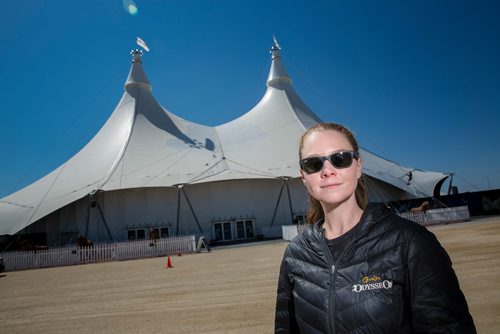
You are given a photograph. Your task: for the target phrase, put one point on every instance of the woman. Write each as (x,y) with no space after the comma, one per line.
(360,268)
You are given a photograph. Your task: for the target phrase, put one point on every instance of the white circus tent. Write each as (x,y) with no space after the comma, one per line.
(148,168)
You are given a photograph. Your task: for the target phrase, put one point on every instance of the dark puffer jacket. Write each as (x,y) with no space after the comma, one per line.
(394,277)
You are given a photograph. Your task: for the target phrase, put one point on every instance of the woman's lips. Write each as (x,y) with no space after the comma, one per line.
(330,185)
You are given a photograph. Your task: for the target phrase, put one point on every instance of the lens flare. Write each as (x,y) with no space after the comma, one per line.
(130,7)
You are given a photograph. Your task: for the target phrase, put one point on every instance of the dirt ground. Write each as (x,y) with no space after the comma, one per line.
(230,290)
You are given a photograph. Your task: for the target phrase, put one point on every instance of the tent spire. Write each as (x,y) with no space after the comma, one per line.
(136,56)
(278,77)
(137,76)
(275,49)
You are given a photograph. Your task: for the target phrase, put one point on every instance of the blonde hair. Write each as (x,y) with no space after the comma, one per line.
(315,211)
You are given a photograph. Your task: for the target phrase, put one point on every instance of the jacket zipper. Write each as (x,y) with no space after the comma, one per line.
(332,300)
(331,291)
(333,273)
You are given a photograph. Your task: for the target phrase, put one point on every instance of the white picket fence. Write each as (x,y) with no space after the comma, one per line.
(55,257)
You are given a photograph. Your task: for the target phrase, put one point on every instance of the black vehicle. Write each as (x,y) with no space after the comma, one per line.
(2,265)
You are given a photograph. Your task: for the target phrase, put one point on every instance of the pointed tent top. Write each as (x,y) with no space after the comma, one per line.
(136,56)
(137,76)
(278,77)
(275,49)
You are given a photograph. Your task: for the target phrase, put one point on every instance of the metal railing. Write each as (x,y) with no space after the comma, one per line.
(439,216)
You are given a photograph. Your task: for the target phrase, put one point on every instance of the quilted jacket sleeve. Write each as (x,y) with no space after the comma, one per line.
(285,314)
(436,301)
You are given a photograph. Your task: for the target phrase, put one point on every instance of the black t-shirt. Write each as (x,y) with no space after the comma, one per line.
(337,244)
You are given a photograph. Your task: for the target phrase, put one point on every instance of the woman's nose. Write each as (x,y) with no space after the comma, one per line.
(328,168)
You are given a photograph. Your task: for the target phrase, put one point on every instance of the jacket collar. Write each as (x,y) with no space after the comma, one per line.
(373,213)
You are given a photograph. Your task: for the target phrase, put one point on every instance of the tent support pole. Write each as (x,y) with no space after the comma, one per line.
(192,211)
(278,202)
(179,187)
(104,220)
(91,199)
(450,185)
(289,199)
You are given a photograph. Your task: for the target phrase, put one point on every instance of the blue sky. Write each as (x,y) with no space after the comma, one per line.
(417,81)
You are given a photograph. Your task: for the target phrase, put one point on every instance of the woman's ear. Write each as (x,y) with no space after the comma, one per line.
(359,170)
(302,176)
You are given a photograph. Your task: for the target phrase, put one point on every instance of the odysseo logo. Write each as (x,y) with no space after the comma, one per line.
(372,283)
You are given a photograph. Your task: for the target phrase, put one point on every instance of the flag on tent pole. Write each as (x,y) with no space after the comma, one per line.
(276,42)
(142,44)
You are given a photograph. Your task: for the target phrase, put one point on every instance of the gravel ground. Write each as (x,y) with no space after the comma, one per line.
(229,290)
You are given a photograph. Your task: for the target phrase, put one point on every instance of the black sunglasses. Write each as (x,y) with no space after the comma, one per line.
(338,160)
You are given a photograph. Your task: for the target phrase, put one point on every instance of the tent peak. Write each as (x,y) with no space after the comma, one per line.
(136,56)
(275,49)
(137,76)
(278,77)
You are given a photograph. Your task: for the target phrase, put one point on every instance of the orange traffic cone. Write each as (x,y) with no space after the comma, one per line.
(168,264)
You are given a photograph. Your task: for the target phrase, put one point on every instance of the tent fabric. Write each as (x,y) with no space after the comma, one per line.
(144,145)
